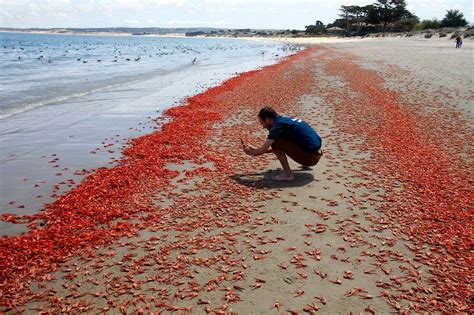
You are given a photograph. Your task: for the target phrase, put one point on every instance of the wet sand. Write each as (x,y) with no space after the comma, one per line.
(223,236)
(55,143)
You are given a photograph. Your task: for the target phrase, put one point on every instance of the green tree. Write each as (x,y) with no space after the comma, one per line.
(382,13)
(318,28)
(405,24)
(428,24)
(372,14)
(345,16)
(338,22)
(389,11)
(454,18)
(352,15)
(361,16)
(399,11)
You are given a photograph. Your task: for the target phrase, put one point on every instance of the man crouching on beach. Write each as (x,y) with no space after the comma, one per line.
(287,136)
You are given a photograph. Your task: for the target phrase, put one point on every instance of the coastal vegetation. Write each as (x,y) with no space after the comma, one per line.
(453,18)
(381,16)
(384,16)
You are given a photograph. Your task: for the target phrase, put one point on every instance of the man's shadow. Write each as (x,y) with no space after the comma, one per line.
(264,179)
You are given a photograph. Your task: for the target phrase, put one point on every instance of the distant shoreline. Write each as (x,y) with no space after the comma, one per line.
(288,40)
(93,33)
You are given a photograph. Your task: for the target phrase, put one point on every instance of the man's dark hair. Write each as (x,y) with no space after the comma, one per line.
(267,112)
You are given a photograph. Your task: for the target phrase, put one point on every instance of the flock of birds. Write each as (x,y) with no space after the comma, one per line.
(124,52)
(130,52)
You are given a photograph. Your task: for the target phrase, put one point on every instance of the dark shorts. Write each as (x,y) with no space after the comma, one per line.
(296,153)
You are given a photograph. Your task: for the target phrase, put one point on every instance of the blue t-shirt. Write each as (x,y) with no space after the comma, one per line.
(296,130)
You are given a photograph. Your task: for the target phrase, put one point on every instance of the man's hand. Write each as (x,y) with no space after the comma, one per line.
(247,149)
(265,148)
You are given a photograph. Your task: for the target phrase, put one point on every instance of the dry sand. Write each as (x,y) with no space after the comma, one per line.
(311,40)
(309,226)
(433,64)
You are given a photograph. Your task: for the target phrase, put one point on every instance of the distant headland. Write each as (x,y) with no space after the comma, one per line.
(152,31)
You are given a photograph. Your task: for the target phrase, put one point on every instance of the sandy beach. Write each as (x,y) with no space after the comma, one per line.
(187,223)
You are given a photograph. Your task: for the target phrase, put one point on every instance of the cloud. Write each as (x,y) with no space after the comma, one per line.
(231,13)
(438,8)
(140,5)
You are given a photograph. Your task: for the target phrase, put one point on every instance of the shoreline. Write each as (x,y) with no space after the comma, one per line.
(171,35)
(90,131)
(206,230)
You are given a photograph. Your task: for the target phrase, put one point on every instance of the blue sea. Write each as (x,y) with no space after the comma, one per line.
(64,99)
(44,69)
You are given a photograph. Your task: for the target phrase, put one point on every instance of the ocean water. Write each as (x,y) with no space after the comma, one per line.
(44,69)
(59,114)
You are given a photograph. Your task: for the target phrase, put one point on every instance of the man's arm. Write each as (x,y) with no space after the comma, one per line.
(264,148)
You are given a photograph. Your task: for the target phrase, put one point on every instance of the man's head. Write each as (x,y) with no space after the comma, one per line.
(266,116)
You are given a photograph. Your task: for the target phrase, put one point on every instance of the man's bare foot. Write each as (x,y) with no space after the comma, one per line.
(284,177)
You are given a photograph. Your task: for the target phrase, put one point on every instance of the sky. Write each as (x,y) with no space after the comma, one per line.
(263,14)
